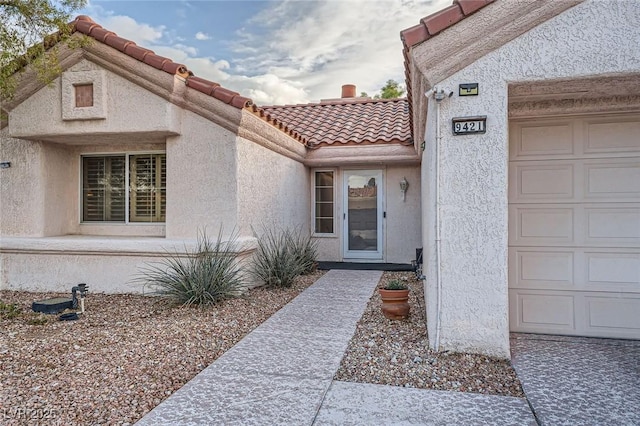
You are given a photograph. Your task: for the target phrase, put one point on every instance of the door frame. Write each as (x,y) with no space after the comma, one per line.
(347,254)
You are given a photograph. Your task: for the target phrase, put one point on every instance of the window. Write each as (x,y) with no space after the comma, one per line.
(84,95)
(104,179)
(324,202)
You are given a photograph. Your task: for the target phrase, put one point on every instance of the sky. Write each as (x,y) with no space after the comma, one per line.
(275,52)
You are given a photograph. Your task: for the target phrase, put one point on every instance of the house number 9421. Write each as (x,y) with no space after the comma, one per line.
(469,125)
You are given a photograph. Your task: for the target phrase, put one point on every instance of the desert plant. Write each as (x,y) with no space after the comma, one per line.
(203,276)
(9,311)
(37,319)
(282,255)
(305,248)
(396,285)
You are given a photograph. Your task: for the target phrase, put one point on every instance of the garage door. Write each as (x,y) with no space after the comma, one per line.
(574,226)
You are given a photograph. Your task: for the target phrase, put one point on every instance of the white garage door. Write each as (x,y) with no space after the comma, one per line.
(574,226)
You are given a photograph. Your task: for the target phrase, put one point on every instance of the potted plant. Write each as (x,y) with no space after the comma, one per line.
(395,300)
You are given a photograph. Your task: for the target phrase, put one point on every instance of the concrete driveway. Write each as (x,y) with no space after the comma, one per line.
(579,381)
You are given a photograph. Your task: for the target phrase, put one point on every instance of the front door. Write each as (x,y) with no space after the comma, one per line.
(363,195)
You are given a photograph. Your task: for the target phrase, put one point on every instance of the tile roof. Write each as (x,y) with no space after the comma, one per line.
(431,26)
(87,26)
(358,121)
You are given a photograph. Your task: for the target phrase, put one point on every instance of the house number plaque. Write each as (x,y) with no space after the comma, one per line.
(469,125)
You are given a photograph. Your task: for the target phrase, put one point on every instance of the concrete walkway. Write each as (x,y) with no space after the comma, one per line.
(282,373)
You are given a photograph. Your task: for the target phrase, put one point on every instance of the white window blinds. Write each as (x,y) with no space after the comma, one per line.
(104,183)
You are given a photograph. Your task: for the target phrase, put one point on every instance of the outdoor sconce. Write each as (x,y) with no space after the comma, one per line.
(5,164)
(403,187)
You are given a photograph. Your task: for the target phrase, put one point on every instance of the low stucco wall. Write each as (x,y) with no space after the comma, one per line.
(108,265)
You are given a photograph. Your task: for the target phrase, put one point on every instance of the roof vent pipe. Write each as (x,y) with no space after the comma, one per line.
(348,90)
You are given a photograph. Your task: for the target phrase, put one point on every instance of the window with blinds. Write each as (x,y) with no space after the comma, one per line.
(104,188)
(148,180)
(324,202)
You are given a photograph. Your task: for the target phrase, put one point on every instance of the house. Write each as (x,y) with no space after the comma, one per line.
(530,170)
(127,155)
(514,162)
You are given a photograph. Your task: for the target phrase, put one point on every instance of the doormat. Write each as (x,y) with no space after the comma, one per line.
(358,266)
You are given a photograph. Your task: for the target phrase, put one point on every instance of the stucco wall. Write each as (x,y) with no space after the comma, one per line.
(201,179)
(61,189)
(273,190)
(593,38)
(403,222)
(21,189)
(37,192)
(128,109)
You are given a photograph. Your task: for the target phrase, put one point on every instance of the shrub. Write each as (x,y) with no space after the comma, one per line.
(9,311)
(282,255)
(203,276)
(395,285)
(305,248)
(38,319)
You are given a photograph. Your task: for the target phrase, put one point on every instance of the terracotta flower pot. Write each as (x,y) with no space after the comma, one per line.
(395,303)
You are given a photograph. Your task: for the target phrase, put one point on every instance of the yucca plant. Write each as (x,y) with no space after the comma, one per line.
(305,248)
(203,276)
(281,256)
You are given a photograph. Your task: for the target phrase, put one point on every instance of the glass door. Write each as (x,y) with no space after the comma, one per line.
(363,214)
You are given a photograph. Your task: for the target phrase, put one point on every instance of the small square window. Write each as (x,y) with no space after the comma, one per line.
(84,95)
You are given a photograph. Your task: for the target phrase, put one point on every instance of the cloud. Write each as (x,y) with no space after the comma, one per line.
(327,44)
(128,28)
(322,46)
(202,36)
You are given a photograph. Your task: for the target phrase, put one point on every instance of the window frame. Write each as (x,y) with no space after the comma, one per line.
(127,155)
(313,202)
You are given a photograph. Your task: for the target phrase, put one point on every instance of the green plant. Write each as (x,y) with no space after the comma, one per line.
(282,255)
(37,319)
(203,276)
(305,248)
(9,311)
(396,285)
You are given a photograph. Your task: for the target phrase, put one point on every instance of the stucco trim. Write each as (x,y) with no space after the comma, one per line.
(334,156)
(253,129)
(110,246)
(554,108)
(485,31)
(99,83)
(28,82)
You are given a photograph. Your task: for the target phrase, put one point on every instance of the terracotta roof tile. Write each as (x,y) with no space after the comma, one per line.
(441,20)
(87,26)
(470,6)
(343,122)
(430,26)
(137,52)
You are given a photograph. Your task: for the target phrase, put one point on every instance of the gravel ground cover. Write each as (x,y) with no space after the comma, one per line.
(128,353)
(124,356)
(397,353)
